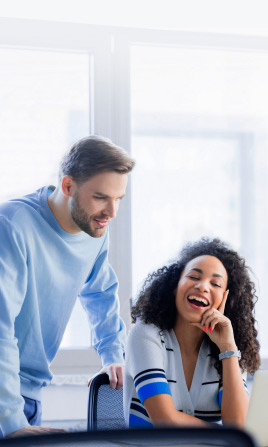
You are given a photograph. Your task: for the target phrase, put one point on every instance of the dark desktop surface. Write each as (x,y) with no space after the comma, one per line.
(159,437)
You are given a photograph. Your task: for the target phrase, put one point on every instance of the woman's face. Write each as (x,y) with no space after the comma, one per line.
(201,287)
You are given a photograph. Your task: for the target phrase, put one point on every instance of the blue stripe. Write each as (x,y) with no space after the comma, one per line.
(139,408)
(219,398)
(152,389)
(149,376)
(147,371)
(245,385)
(135,421)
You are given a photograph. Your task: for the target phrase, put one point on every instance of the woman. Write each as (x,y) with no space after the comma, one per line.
(193,342)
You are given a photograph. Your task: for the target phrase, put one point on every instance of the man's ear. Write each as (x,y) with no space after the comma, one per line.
(68,185)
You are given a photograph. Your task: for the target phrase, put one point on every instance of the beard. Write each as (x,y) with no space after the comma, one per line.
(82,220)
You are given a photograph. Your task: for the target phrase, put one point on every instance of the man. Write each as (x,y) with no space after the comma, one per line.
(54,247)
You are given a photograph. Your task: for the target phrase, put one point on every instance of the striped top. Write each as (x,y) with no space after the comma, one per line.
(154,366)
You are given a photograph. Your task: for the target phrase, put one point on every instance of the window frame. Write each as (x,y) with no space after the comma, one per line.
(110,111)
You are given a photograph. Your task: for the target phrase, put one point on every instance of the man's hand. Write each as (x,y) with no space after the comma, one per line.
(115,372)
(34,430)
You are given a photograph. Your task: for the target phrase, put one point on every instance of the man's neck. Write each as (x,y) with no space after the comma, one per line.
(59,206)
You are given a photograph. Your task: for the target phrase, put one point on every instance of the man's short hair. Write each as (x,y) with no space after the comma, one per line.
(93,155)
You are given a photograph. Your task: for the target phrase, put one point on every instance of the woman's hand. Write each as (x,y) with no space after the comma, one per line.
(218,327)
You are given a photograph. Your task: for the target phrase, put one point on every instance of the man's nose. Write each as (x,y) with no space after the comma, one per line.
(112,209)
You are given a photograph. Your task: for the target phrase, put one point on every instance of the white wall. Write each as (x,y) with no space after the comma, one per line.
(239,17)
(65,406)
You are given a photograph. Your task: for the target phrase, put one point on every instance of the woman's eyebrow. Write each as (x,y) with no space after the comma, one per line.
(197,270)
(216,275)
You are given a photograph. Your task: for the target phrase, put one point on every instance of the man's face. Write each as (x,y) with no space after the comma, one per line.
(96,201)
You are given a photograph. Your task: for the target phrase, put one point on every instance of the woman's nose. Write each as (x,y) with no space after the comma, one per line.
(202,286)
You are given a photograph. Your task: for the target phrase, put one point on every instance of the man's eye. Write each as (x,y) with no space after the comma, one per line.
(99,198)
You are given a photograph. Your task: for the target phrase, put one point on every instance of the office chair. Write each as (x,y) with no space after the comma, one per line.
(150,437)
(105,405)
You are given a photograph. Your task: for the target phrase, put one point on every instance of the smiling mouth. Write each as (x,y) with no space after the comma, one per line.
(101,223)
(198,301)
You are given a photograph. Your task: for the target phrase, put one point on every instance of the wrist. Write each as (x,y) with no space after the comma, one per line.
(229,354)
(228,347)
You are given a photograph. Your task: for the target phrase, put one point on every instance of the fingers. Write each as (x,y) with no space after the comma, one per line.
(115,373)
(207,322)
(211,318)
(211,324)
(112,377)
(120,376)
(211,314)
(94,375)
(222,305)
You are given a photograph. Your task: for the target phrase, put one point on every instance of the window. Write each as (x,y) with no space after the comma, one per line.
(193,113)
(183,205)
(199,123)
(44,99)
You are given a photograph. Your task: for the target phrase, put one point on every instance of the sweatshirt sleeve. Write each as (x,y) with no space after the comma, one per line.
(13,282)
(99,298)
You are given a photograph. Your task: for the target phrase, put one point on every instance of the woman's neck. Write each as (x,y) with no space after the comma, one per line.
(189,337)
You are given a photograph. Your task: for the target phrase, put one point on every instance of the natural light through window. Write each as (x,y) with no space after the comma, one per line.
(44,108)
(199,127)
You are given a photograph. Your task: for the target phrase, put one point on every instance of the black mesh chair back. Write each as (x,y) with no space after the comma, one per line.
(105,405)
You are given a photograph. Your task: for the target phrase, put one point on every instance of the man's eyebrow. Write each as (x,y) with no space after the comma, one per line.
(216,275)
(97,193)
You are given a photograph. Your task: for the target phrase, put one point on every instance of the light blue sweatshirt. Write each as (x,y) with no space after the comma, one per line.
(42,271)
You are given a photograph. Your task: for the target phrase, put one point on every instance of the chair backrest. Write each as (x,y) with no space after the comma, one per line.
(105,405)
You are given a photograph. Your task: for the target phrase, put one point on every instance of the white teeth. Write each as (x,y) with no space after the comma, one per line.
(197,298)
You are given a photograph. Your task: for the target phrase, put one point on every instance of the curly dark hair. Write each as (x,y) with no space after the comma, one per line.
(156,301)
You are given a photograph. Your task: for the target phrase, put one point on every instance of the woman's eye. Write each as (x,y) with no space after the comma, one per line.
(193,277)
(216,285)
